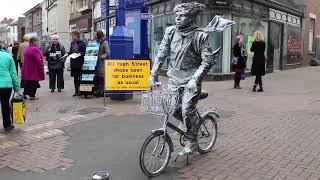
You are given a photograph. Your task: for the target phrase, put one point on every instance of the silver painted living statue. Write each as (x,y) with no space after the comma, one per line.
(191,58)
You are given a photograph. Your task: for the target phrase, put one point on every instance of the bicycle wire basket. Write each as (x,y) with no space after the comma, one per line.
(160,102)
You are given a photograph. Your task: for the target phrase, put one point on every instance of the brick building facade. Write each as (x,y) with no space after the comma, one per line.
(312,29)
(33,21)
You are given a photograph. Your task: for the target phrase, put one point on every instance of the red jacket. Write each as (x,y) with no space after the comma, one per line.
(33,67)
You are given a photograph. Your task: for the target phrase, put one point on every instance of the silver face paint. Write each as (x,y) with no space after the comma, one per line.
(183,20)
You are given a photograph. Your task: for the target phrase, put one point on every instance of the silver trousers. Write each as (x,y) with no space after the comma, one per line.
(185,110)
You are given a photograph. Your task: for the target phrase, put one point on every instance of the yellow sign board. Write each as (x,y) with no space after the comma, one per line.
(125,75)
(249,44)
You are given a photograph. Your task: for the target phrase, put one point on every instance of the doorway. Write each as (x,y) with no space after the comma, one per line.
(275,46)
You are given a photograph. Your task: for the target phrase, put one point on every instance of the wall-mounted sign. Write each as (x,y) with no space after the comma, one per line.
(145,16)
(127,75)
(220,3)
(283,17)
(83,25)
(134,3)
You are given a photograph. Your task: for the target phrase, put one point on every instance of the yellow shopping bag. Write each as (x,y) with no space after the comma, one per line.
(18,109)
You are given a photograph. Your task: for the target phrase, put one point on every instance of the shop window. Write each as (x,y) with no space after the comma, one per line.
(160,23)
(82,3)
(247,27)
(294,45)
(312,27)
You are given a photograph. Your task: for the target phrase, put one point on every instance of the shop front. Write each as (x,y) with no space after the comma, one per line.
(249,17)
(285,40)
(83,24)
(163,17)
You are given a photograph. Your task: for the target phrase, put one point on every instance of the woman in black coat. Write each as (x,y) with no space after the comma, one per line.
(239,52)
(77,46)
(258,63)
(54,57)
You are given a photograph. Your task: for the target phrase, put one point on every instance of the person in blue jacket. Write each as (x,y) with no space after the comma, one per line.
(8,81)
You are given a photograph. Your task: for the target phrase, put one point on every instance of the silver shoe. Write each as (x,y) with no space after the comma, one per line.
(190,148)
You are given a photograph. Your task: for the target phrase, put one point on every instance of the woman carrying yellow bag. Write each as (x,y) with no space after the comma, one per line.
(8,81)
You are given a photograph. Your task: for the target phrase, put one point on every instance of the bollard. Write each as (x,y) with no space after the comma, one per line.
(100,175)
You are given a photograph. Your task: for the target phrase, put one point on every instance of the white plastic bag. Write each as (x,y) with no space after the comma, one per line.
(67,63)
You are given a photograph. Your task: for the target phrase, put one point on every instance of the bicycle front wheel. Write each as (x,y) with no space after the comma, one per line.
(207,134)
(155,154)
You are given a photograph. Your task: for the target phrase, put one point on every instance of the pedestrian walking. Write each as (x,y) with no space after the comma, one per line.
(79,47)
(240,60)
(104,53)
(8,81)
(33,68)
(15,50)
(258,63)
(54,54)
(22,47)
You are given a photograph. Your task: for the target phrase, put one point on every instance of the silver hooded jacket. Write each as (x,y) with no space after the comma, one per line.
(190,53)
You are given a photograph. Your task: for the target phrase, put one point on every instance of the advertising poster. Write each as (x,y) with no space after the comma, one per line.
(294,45)
(249,44)
(133,75)
(133,23)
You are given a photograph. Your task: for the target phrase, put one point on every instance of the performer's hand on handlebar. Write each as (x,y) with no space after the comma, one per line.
(154,81)
(192,85)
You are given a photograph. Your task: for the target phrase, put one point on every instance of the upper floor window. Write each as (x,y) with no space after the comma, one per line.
(311,45)
(82,3)
(72,6)
(29,21)
(37,18)
(49,3)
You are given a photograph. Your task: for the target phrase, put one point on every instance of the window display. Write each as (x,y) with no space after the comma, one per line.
(247,27)
(160,23)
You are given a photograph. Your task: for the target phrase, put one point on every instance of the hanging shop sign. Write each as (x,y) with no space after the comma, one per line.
(133,75)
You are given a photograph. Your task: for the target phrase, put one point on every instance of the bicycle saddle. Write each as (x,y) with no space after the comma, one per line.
(203,95)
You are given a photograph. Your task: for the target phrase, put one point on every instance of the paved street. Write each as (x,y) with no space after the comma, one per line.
(269,135)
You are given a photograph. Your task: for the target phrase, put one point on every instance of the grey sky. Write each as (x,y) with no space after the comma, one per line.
(16,8)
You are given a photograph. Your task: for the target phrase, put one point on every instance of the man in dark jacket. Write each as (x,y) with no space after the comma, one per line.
(54,54)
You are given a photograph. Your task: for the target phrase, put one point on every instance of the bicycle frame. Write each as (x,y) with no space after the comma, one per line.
(166,124)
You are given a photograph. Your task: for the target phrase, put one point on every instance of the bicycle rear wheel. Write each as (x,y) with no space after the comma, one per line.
(207,134)
(155,154)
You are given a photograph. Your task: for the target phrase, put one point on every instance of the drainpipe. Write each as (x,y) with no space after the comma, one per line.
(92,23)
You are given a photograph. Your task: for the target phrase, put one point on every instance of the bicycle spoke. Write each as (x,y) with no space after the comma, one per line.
(149,155)
(153,163)
(206,142)
(155,148)
(149,162)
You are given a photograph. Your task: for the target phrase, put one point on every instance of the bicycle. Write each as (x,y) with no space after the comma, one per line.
(163,102)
